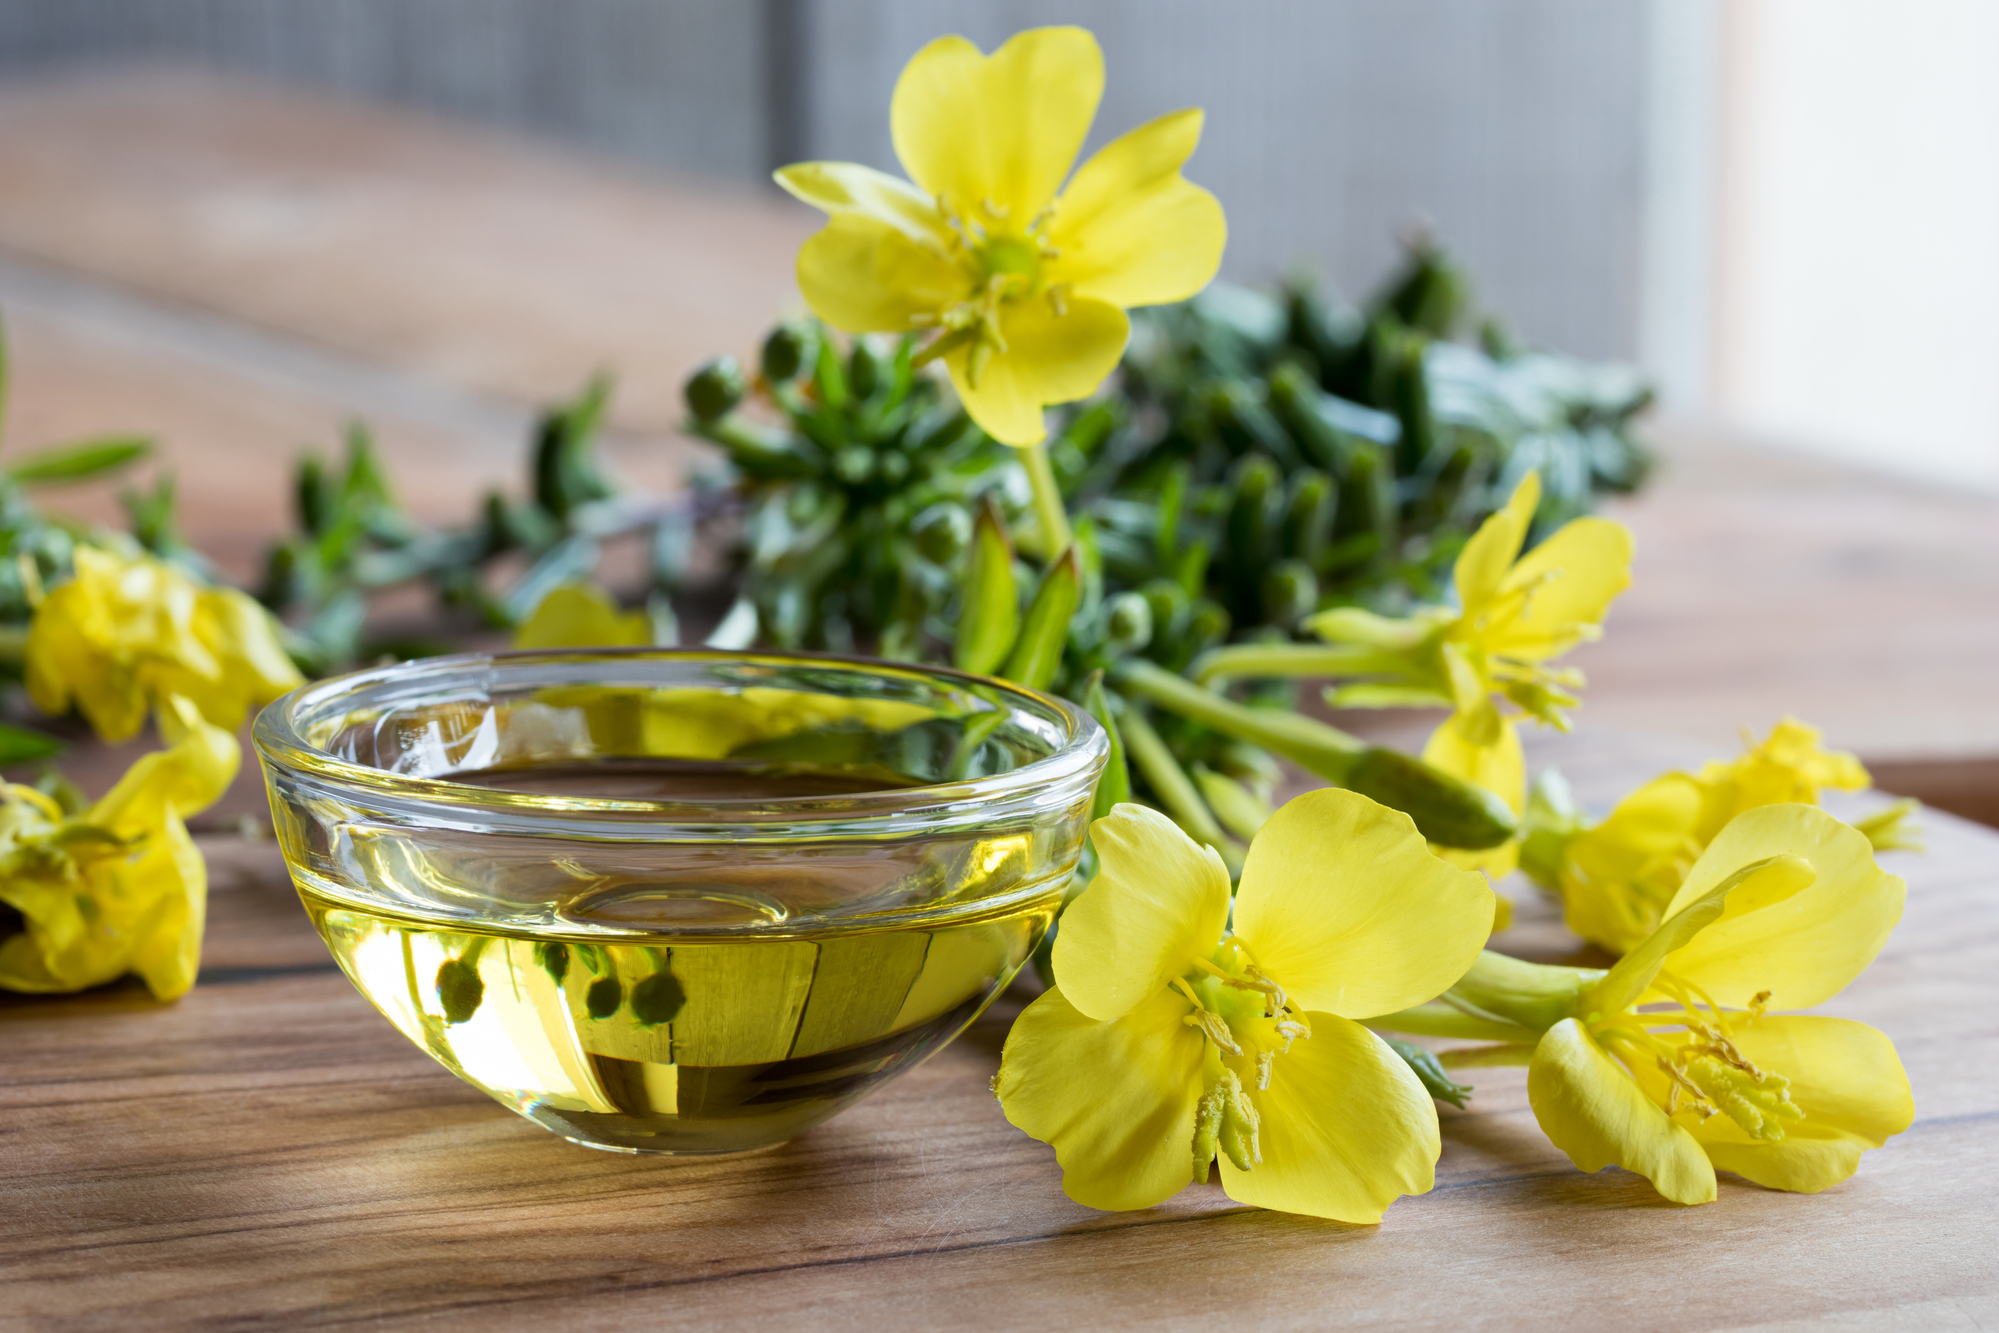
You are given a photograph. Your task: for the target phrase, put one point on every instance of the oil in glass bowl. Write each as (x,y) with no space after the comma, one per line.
(659,918)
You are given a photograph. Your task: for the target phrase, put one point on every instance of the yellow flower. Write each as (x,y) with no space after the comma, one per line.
(1168,1042)
(1617,878)
(582,615)
(1026,287)
(119,888)
(1782,911)
(129,631)
(1516,614)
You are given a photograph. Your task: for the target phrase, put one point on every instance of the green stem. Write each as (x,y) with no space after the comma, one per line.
(1049,511)
(1175,790)
(1486,1057)
(1324,750)
(13,644)
(1437,1019)
(1292,659)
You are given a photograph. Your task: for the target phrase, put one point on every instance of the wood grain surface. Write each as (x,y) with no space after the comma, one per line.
(268,1153)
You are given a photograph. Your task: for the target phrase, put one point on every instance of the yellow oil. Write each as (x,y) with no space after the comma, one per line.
(679,1044)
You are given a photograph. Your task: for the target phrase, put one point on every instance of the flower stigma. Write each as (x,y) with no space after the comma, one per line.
(1707,1075)
(1248,1023)
(1001,265)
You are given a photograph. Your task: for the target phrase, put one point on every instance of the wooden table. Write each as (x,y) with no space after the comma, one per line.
(269,1153)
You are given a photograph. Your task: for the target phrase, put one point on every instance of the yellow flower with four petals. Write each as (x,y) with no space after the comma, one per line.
(129,631)
(121,887)
(1171,1042)
(1516,614)
(1024,279)
(1671,1065)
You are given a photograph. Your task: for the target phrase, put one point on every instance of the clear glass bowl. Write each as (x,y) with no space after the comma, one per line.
(678,901)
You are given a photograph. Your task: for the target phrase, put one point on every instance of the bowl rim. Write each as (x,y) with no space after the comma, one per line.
(280,744)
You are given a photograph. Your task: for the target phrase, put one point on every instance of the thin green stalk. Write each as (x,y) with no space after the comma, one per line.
(1324,750)
(1487,1057)
(1292,659)
(1437,1019)
(1175,790)
(1049,512)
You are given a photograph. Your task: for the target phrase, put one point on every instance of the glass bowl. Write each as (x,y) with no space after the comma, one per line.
(678,901)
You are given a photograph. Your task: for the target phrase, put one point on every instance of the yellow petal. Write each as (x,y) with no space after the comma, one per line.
(1115,1100)
(1347,1129)
(185,778)
(1159,901)
(1590,1107)
(1618,877)
(1482,565)
(1574,576)
(848,187)
(1049,358)
(1850,1084)
(1342,904)
(1499,767)
(582,615)
(171,872)
(1129,229)
(1805,946)
(861,275)
(1000,129)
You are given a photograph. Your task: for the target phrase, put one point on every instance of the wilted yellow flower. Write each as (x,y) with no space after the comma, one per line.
(130,630)
(1783,910)
(1517,613)
(1027,287)
(1617,878)
(119,888)
(582,615)
(1170,1043)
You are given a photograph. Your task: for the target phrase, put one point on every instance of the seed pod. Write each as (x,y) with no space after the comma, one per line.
(1448,810)
(1365,518)
(786,352)
(1045,630)
(1308,517)
(1245,426)
(1401,386)
(1252,520)
(1127,622)
(715,388)
(941,532)
(1290,593)
(989,619)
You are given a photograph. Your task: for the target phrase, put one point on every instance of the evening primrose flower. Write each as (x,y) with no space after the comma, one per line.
(121,887)
(1169,1043)
(1617,877)
(1517,613)
(1025,281)
(582,615)
(1784,908)
(131,630)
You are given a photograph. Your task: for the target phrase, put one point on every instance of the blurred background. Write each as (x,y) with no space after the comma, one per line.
(235,223)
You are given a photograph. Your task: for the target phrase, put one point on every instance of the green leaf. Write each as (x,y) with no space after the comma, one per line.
(1038,651)
(20,744)
(1423,1063)
(79,461)
(1114,787)
(990,619)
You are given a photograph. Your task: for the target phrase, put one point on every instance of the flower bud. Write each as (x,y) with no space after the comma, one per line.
(714,389)
(1290,593)
(786,352)
(1128,622)
(942,531)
